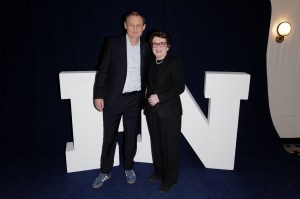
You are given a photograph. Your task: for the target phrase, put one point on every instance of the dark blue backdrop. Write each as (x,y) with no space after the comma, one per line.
(39,39)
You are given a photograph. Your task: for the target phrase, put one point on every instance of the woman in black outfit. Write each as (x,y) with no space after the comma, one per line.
(163,110)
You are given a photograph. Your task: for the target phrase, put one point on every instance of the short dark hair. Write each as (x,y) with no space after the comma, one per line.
(136,14)
(161,34)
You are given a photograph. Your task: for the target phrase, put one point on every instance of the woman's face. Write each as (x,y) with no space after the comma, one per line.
(159,47)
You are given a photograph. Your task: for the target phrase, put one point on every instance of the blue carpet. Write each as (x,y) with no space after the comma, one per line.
(37,176)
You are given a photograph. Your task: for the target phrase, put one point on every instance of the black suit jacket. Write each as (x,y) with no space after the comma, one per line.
(111,76)
(168,83)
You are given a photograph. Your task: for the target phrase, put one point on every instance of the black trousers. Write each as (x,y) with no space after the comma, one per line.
(165,135)
(128,107)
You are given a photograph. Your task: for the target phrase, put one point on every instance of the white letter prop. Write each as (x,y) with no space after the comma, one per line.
(214,139)
(85,151)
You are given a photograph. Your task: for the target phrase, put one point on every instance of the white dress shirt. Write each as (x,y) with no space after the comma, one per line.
(133,77)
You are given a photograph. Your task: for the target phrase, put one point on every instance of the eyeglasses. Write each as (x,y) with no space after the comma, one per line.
(160,44)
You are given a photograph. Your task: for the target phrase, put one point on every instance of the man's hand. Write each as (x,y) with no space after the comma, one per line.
(99,104)
(153,99)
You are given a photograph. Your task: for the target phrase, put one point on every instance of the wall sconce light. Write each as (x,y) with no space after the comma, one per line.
(283,29)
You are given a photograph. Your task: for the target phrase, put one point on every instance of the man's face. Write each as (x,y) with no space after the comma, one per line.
(134,26)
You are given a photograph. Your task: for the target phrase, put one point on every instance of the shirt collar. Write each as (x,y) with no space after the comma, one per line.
(128,43)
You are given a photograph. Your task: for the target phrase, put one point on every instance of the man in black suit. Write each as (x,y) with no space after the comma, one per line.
(118,92)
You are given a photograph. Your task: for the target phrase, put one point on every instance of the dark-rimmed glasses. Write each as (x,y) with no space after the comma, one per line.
(160,44)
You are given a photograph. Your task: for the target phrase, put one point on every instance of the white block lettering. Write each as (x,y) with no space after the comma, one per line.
(213,138)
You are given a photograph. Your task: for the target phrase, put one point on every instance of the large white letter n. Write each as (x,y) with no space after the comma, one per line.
(214,138)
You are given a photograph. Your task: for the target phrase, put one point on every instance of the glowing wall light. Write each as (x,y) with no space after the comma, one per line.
(283,29)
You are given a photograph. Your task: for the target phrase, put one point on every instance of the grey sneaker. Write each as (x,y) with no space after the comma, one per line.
(130,176)
(100,180)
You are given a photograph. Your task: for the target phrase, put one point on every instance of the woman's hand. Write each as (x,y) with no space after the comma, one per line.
(153,99)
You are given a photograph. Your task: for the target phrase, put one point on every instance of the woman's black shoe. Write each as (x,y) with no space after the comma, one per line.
(165,187)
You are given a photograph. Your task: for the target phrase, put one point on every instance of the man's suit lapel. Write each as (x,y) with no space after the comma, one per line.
(120,63)
(143,52)
(123,53)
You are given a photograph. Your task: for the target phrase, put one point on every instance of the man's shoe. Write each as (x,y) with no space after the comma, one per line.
(100,180)
(130,176)
(155,177)
(165,187)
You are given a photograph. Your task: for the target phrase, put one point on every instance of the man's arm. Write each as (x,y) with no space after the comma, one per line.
(102,72)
